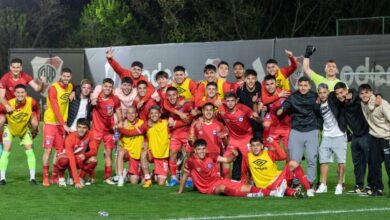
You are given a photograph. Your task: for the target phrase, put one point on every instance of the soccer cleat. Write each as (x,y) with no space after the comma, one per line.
(189,184)
(322,188)
(310,192)
(295,184)
(109,182)
(61,182)
(33,182)
(46,181)
(121,181)
(90,181)
(147,184)
(3,182)
(70,181)
(300,195)
(339,189)
(173,182)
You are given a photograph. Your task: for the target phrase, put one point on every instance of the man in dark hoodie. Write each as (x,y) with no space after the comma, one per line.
(249,94)
(80,107)
(351,113)
(301,105)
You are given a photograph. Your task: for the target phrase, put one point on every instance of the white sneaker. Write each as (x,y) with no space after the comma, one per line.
(124,175)
(61,182)
(310,192)
(109,182)
(255,195)
(121,181)
(70,181)
(339,189)
(322,188)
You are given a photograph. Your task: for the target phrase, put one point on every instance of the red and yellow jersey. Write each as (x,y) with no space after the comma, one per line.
(57,100)
(282,81)
(263,169)
(186,89)
(158,139)
(133,144)
(18,119)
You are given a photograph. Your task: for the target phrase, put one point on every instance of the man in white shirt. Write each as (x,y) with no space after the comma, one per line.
(334,141)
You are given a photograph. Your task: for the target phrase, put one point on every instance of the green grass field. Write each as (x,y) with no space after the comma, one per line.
(19,200)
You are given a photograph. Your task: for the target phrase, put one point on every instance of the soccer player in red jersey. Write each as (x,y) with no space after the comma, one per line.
(237,117)
(144,108)
(207,179)
(276,128)
(281,76)
(214,132)
(239,74)
(55,118)
(7,86)
(211,96)
(79,153)
(179,130)
(210,75)
(135,73)
(162,79)
(186,88)
(105,106)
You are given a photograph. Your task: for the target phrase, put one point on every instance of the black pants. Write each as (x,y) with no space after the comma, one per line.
(236,170)
(379,152)
(360,155)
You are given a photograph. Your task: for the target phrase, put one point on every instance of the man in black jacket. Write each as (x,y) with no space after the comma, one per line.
(249,94)
(351,113)
(301,105)
(80,107)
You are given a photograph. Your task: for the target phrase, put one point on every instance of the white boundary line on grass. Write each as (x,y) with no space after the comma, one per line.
(265,215)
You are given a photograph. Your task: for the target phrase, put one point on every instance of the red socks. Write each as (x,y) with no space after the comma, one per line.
(300,175)
(45,170)
(107,172)
(233,192)
(172,167)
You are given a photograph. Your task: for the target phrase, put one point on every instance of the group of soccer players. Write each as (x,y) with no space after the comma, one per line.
(225,136)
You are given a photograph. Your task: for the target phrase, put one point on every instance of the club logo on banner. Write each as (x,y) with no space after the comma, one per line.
(47,67)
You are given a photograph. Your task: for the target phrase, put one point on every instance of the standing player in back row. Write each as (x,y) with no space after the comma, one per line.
(135,74)
(18,126)
(7,89)
(330,70)
(55,118)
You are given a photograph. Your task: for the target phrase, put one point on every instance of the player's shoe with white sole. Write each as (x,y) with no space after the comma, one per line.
(61,182)
(109,182)
(322,188)
(121,181)
(339,189)
(310,192)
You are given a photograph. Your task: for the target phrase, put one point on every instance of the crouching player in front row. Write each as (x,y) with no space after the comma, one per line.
(18,126)
(266,175)
(207,179)
(80,153)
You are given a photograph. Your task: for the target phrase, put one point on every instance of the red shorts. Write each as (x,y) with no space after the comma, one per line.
(286,174)
(108,140)
(135,167)
(177,143)
(161,167)
(228,183)
(280,134)
(241,144)
(53,136)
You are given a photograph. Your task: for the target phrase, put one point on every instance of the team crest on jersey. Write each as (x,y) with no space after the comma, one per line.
(86,142)
(209,165)
(267,116)
(214,132)
(108,108)
(241,119)
(47,142)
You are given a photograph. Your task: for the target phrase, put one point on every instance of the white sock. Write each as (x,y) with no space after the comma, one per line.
(2,175)
(147,176)
(32,174)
